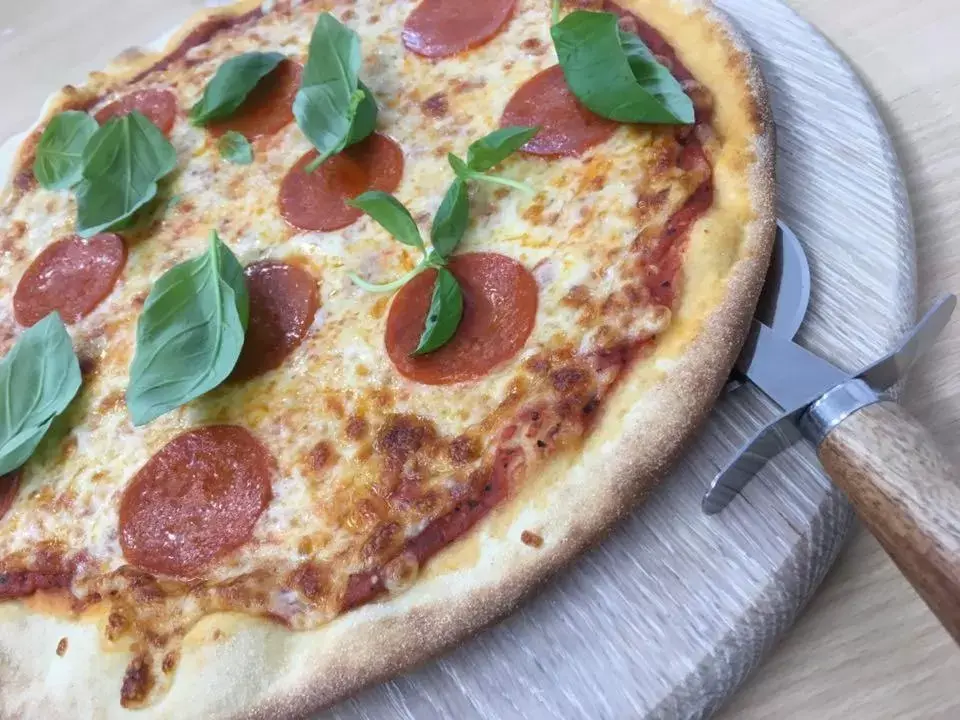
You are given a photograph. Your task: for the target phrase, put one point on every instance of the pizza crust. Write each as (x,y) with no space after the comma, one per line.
(237,666)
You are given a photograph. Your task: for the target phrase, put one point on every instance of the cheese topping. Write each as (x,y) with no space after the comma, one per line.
(366,458)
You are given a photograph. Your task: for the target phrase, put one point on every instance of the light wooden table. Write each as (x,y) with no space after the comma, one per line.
(867,647)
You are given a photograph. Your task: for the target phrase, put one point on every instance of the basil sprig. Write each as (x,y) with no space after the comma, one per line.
(490,151)
(449,226)
(58,164)
(231,84)
(613,72)
(446,305)
(235,148)
(38,379)
(332,107)
(190,333)
(122,163)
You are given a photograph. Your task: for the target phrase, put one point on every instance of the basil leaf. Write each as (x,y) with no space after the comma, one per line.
(443,317)
(190,333)
(496,147)
(58,164)
(365,119)
(391,214)
(460,168)
(235,148)
(450,222)
(231,84)
(332,108)
(614,74)
(38,379)
(122,163)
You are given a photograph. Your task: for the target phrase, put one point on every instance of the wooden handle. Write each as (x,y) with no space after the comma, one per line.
(908,493)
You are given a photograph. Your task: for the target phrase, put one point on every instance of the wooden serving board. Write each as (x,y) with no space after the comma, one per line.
(668,616)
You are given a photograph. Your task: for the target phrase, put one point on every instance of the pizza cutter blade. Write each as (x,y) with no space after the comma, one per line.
(786,292)
(905,490)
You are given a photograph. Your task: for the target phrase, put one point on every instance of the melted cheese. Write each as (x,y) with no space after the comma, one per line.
(575,233)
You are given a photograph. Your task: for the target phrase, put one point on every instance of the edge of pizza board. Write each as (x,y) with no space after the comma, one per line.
(670,614)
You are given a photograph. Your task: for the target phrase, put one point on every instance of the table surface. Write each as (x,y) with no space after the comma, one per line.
(866,647)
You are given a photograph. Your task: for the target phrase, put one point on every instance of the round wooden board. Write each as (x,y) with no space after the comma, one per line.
(669,615)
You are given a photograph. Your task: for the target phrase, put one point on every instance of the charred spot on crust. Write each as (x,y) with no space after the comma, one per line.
(531,539)
(170,662)
(62,647)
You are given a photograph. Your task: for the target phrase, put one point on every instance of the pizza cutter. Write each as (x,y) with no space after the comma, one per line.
(905,489)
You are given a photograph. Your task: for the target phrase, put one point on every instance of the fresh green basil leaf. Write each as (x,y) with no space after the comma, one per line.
(231,84)
(656,79)
(190,333)
(235,148)
(122,163)
(38,379)
(614,74)
(450,222)
(391,214)
(332,108)
(365,118)
(443,317)
(59,157)
(460,168)
(496,147)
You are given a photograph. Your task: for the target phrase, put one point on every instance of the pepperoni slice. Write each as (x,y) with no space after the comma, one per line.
(283,301)
(566,126)
(268,108)
(158,105)
(317,200)
(438,28)
(499,309)
(71,276)
(195,500)
(9,485)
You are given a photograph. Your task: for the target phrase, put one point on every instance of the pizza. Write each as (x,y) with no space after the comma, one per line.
(332,329)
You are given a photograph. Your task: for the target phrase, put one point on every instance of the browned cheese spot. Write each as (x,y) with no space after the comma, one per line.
(436,105)
(137,682)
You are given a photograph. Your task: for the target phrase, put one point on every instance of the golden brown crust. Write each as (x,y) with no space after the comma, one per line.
(236,666)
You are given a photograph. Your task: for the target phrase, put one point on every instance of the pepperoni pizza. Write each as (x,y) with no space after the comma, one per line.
(354,473)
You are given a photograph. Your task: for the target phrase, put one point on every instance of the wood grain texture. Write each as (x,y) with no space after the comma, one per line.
(870,649)
(907,493)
